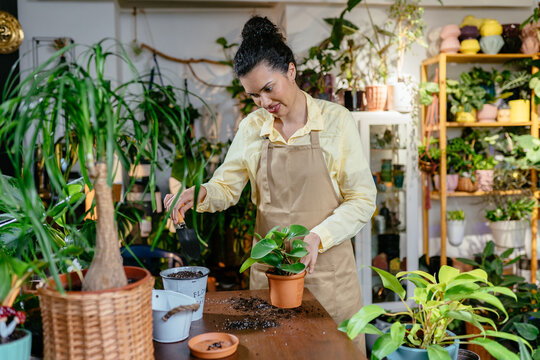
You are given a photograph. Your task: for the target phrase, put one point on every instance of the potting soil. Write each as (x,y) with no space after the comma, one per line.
(262,315)
(15,335)
(215,346)
(186,275)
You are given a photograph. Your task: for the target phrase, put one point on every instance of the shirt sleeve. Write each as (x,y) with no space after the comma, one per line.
(357,188)
(225,187)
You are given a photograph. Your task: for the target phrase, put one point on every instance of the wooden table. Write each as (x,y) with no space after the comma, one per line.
(310,333)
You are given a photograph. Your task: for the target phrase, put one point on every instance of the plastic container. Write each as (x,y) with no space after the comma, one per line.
(176,328)
(195,288)
(18,349)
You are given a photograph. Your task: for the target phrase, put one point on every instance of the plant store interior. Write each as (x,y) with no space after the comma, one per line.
(116,115)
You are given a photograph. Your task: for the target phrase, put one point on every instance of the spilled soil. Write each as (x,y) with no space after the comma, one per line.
(186,275)
(259,314)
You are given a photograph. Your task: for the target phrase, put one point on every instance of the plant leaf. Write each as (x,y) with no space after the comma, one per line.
(263,248)
(384,346)
(447,274)
(298,253)
(272,259)
(495,349)
(358,321)
(528,331)
(437,352)
(390,282)
(249,261)
(292,268)
(297,230)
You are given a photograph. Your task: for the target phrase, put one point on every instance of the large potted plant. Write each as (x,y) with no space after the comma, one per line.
(484,169)
(282,250)
(509,222)
(440,301)
(106,120)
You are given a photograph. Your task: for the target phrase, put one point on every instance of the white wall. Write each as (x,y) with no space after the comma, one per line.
(191,33)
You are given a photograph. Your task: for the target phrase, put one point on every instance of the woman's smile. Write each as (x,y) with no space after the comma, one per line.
(274,108)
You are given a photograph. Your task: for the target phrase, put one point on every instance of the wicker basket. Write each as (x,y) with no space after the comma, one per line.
(110,324)
(466,184)
(426,166)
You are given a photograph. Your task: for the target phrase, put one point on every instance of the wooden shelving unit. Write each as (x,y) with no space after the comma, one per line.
(440,131)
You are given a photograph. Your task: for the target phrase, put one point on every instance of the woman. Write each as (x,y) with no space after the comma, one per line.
(305,161)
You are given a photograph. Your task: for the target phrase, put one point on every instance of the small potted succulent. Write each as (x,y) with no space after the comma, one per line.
(456,226)
(509,222)
(282,250)
(440,300)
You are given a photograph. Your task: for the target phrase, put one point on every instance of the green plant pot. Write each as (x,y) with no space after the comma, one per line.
(18,349)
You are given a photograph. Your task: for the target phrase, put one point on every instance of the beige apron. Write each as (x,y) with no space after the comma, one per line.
(294,187)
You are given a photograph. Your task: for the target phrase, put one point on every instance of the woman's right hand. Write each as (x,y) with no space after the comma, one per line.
(184,203)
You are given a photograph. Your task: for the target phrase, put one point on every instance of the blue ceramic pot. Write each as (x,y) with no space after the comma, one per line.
(18,349)
(407,353)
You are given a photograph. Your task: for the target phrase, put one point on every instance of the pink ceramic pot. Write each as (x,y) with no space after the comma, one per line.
(450,31)
(451,182)
(488,113)
(450,45)
(484,180)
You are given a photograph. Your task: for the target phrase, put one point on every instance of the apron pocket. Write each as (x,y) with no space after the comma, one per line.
(322,283)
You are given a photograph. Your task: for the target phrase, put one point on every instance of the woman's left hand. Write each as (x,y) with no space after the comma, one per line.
(313,240)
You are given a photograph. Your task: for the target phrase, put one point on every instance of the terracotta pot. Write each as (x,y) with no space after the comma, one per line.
(487,113)
(286,291)
(112,321)
(484,180)
(451,182)
(376,97)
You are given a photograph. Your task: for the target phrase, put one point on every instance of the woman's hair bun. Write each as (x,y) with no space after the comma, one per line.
(258,27)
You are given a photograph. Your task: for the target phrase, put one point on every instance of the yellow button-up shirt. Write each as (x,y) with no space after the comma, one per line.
(343,155)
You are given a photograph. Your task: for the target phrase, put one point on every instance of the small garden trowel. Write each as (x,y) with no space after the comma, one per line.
(188,239)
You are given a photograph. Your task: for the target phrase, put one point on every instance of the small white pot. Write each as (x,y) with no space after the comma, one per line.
(402,97)
(176,328)
(509,234)
(456,231)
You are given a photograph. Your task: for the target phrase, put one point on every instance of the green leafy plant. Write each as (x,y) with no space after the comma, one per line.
(426,89)
(280,249)
(80,98)
(464,95)
(455,215)
(520,209)
(481,162)
(459,154)
(440,302)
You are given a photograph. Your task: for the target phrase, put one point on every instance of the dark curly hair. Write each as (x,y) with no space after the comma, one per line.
(262,41)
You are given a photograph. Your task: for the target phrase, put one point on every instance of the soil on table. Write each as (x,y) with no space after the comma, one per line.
(16,335)
(186,275)
(262,315)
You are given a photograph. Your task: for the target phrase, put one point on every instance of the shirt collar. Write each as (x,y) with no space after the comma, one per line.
(315,121)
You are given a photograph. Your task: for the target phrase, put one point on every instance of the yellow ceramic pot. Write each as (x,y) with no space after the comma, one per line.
(491,27)
(466,117)
(469,46)
(520,110)
(470,20)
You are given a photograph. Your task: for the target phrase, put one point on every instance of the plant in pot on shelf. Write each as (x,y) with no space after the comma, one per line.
(282,250)
(465,98)
(440,302)
(106,119)
(429,156)
(484,169)
(456,226)
(509,222)
(459,157)
(514,87)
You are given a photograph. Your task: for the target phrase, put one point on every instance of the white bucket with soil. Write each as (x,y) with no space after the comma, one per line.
(172,313)
(188,280)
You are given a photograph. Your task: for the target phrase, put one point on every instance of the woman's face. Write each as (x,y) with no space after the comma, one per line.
(271,89)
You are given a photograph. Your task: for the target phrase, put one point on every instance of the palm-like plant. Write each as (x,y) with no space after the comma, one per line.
(80,103)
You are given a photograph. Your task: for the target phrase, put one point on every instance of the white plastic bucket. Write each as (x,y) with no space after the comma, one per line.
(176,328)
(195,288)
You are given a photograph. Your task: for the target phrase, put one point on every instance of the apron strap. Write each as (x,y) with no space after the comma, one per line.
(265,196)
(314,138)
